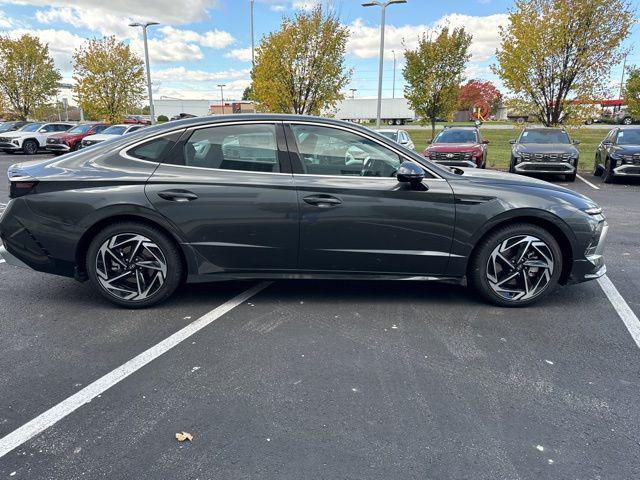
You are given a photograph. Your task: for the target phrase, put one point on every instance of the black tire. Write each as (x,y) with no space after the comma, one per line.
(597,168)
(478,272)
(608,175)
(30,147)
(627,121)
(159,288)
(512,167)
(570,177)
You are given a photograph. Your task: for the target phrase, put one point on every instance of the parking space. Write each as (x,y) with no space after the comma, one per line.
(333,379)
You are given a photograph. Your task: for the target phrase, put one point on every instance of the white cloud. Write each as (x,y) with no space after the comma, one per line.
(242,54)
(5,22)
(164,11)
(211,39)
(304,4)
(232,91)
(364,41)
(91,19)
(181,74)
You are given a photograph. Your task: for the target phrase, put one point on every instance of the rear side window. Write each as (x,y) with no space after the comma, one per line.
(251,147)
(153,150)
(100,128)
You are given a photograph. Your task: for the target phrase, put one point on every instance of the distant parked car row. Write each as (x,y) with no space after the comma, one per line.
(57,137)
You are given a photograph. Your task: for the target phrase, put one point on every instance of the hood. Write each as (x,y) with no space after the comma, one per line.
(545,148)
(495,179)
(452,147)
(65,135)
(627,149)
(15,134)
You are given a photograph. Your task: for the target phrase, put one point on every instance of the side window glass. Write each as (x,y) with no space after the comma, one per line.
(251,147)
(153,150)
(332,151)
(48,128)
(99,128)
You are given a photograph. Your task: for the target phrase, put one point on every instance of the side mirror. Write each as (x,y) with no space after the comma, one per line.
(512,142)
(411,173)
(576,142)
(486,142)
(607,142)
(429,142)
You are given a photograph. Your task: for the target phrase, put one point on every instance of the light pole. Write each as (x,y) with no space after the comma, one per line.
(253,55)
(394,73)
(624,65)
(146,60)
(222,85)
(383,7)
(353,92)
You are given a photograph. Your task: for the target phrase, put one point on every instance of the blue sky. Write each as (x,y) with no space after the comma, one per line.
(201,43)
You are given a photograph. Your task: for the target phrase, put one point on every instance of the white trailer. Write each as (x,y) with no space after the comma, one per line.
(172,107)
(395,111)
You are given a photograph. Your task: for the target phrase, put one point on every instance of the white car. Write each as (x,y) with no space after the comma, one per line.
(399,136)
(31,138)
(114,131)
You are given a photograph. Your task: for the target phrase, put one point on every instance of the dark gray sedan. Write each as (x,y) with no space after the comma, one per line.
(278,196)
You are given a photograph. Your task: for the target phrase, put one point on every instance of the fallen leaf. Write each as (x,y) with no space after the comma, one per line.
(184,436)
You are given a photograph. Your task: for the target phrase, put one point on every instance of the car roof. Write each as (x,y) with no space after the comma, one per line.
(460,127)
(544,129)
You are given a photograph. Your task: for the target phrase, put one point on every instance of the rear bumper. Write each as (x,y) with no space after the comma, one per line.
(544,167)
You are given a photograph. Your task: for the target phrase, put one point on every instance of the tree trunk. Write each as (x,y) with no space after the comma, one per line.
(433,128)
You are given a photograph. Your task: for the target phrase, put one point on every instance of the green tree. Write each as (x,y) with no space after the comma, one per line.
(28,76)
(433,73)
(247,94)
(109,79)
(300,68)
(632,93)
(557,54)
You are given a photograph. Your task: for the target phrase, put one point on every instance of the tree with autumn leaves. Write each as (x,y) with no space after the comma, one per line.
(109,79)
(554,52)
(300,68)
(477,92)
(632,93)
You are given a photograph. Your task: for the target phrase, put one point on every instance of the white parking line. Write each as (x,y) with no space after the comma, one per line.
(69,405)
(624,311)
(588,182)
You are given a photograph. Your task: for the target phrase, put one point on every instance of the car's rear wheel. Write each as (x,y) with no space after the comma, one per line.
(134,265)
(30,147)
(516,265)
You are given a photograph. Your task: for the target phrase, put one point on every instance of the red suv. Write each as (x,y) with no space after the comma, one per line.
(71,139)
(458,147)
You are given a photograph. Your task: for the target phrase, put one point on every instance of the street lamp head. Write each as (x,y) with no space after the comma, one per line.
(391,2)
(371,4)
(222,85)
(143,25)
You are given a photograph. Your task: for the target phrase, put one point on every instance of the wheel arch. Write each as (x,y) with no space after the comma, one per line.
(98,225)
(551,223)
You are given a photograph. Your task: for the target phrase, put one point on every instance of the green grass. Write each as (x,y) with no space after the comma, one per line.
(499,152)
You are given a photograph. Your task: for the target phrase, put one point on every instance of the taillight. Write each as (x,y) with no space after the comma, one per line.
(19,189)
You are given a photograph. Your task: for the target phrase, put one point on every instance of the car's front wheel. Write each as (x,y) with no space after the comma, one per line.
(516,265)
(30,147)
(597,168)
(608,173)
(134,265)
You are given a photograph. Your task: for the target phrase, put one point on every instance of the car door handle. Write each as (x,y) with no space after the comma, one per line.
(322,201)
(178,195)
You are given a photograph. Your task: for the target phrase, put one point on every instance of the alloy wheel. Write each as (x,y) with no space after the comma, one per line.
(520,268)
(130,266)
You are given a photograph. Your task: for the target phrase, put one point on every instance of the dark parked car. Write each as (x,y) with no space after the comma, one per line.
(12,126)
(618,155)
(72,139)
(458,147)
(181,116)
(545,150)
(279,196)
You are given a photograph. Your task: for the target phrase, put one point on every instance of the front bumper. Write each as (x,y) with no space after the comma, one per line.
(591,266)
(628,170)
(544,167)
(11,259)
(9,146)
(58,147)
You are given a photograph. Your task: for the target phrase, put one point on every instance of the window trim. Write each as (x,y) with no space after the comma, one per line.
(284,161)
(294,154)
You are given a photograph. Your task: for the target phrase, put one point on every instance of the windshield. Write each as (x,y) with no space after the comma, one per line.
(80,129)
(628,137)
(392,135)
(32,128)
(544,136)
(115,130)
(6,127)
(456,136)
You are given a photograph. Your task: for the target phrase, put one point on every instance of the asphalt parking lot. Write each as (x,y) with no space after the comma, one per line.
(349,380)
